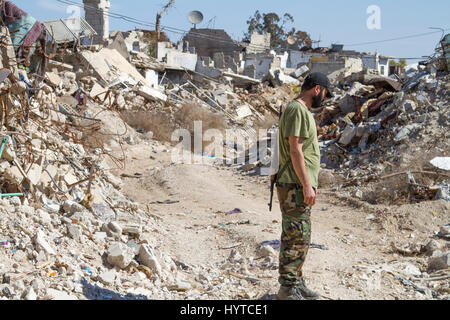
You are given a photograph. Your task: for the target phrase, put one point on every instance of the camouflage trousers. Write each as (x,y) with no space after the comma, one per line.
(296,235)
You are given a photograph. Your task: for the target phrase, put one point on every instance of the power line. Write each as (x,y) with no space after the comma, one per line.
(395,39)
(149,24)
(195,34)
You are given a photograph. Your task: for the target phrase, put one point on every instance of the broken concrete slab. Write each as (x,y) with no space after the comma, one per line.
(120,255)
(150,93)
(35,173)
(98,91)
(347,135)
(441,163)
(14,175)
(54,79)
(243,112)
(41,242)
(110,66)
(59,66)
(53,294)
(148,258)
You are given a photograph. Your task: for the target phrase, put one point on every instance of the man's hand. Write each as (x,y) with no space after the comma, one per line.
(310,196)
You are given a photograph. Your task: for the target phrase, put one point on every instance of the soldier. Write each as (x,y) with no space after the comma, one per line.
(297,183)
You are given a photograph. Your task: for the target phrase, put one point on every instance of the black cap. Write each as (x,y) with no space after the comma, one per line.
(318,78)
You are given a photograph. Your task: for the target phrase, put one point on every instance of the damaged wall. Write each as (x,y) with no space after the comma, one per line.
(97,15)
(331,64)
(376,62)
(259,43)
(209,41)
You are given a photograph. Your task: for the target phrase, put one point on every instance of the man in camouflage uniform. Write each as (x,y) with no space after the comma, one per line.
(297,183)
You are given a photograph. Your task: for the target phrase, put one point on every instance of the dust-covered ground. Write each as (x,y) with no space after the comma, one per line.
(357,247)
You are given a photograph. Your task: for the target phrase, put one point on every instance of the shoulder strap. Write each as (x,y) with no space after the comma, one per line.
(283,169)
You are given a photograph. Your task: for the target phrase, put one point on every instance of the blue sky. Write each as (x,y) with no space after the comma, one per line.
(331,21)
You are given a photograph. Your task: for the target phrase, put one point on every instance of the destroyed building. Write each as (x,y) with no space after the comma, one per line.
(67,228)
(208,42)
(97,15)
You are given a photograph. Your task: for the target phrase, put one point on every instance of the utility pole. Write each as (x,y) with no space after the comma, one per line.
(159,16)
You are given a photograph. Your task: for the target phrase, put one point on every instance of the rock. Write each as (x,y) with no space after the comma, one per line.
(74,231)
(235,256)
(39,240)
(404,133)
(37,284)
(34,173)
(431,247)
(408,106)
(19,286)
(347,135)
(72,207)
(18,88)
(44,217)
(107,277)
(100,236)
(116,182)
(120,255)
(15,201)
(53,79)
(148,258)
(439,262)
(53,294)
(13,175)
(411,270)
(29,294)
(326,178)
(19,256)
(443,193)
(134,231)
(113,230)
(5,291)
(180,286)
(267,251)
(50,205)
(445,230)
(300,72)
(358,194)
(66,220)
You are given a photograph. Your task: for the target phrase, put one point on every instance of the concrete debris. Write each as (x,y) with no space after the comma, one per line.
(120,255)
(441,163)
(64,119)
(439,261)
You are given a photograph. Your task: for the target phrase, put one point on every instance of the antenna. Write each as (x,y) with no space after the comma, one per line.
(195,17)
(213,21)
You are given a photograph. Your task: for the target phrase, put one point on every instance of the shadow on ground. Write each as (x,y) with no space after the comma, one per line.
(92,292)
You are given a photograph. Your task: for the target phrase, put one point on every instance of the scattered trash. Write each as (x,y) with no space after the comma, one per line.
(87,271)
(237,210)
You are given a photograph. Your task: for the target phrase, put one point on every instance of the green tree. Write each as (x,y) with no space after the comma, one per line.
(401,62)
(277,27)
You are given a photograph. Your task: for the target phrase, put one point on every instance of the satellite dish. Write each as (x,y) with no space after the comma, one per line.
(195,17)
(291,40)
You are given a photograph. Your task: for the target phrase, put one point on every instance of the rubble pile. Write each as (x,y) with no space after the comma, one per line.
(379,137)
(67,231)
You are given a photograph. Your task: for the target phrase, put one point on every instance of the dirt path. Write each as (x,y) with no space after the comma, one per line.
(354,260)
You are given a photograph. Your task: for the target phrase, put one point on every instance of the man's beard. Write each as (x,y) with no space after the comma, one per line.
(317,101)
